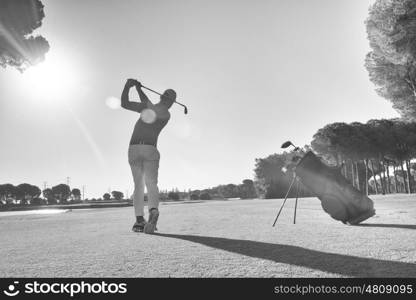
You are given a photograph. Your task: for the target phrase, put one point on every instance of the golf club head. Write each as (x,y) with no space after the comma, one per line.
(185,110)
(286,144)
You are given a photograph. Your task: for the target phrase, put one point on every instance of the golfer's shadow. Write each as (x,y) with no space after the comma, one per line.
(292,255)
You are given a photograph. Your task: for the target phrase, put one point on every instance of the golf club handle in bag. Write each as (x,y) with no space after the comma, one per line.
(338,197)
(149,89)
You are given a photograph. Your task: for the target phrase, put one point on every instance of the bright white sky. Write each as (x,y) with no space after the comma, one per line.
(253,74)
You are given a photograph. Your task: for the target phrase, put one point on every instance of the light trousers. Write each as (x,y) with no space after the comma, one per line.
(144,164)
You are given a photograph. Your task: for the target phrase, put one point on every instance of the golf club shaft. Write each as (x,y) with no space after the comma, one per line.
(296,202)
(284,201)
(145,87)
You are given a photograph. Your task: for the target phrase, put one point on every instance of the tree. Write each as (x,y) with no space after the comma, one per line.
(117,195)
(247,189)
(76,194)
(173,196)
(61,192)
(229,191)
(106,196)
(273,175)
(37,201)
(270,177)
(194,196)
(7,191)
(392,62)
(205,196)
(329,143)
(404,149)
(381,140)
(48,195)
(18,47)
(26,192)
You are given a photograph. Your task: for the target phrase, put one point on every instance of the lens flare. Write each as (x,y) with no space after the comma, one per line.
(90,141)
(113,102)
(148,116)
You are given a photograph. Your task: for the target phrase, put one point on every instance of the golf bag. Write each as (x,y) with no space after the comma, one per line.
(338,197)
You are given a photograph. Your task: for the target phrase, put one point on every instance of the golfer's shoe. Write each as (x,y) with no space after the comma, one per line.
(150,226)
(139,226)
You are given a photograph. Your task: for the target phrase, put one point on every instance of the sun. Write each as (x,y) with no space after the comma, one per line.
(51,80)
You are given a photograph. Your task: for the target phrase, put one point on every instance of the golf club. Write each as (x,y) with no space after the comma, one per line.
(184,106)
(287,144)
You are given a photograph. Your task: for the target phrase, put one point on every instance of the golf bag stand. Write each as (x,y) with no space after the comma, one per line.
(295,179)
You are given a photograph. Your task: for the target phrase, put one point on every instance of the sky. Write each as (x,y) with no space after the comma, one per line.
(252,73)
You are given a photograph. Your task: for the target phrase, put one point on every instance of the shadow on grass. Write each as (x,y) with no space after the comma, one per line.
(182,202)
(401,226)
(346,265)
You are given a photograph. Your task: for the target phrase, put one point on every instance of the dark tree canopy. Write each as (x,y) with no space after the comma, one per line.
(194,196)
(173,196)
(76,192)
(395,139)
(375,146)
(117,195)
(18,20)
(47,193)
(7,190)
(61,192)
(205,196)
(27,190)
(391,29)
(273,175)
(247,190)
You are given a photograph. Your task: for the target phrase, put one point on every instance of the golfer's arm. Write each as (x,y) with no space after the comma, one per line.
(127,104)
(142,95)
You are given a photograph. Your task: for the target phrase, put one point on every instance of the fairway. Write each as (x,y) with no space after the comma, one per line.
(213,239)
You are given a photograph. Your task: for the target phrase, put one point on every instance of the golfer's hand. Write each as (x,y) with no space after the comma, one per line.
(132,82)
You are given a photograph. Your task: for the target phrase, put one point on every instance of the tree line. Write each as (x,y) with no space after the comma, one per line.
(376,157)
(25,194)
(245,190)
(379,149)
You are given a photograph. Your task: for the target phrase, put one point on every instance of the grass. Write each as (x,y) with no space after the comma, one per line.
(213,239)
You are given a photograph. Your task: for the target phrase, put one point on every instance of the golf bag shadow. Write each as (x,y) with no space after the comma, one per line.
(338,197)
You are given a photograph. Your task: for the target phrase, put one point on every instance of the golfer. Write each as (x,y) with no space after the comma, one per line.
(143,154)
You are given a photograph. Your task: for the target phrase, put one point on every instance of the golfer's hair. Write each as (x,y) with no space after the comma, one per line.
(170,94)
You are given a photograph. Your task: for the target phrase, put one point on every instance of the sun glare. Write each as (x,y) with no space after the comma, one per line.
(51,80)
(113,102)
